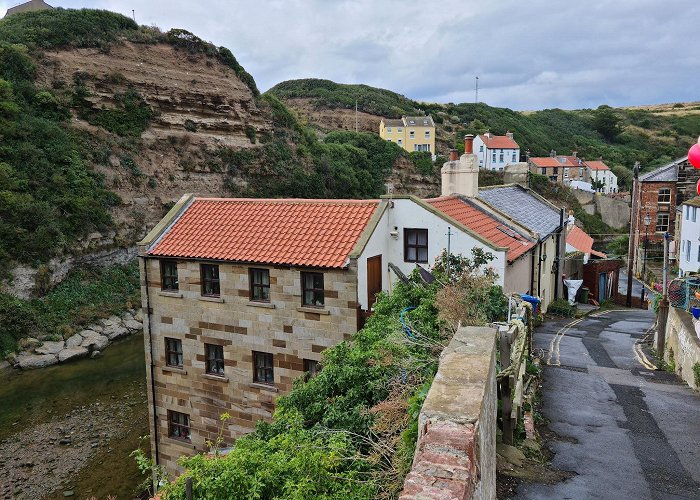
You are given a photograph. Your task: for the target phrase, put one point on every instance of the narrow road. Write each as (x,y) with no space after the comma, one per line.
(626,431)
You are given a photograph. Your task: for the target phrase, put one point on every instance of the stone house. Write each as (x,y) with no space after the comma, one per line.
(496,151)
(30,6)
(243,295)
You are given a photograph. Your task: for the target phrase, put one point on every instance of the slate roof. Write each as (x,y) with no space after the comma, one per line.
(30,6)
(499,142)
(667,173)
(389,122)
(524,207)
(314,233)
(485,224)
(409,121)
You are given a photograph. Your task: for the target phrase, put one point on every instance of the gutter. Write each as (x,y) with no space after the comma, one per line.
(152,368)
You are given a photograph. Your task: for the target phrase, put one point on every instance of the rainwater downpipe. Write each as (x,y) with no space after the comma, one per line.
(152,368)
(539,268)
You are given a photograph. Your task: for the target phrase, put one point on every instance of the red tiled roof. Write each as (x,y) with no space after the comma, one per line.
(483,224)
(499,142)
(597,165)
(549,161)
(315,233)
(580,240)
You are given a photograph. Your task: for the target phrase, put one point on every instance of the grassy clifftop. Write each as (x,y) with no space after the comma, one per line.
(620,135)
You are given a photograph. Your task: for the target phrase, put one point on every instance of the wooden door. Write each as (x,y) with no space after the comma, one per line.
(374,279)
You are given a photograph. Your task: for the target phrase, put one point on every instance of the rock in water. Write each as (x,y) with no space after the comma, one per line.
(50,347)
(30,361)
(72,353)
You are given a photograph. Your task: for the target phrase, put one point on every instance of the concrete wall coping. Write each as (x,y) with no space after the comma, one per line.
(456,393)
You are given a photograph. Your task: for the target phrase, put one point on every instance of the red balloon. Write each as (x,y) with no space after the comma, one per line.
(694,155)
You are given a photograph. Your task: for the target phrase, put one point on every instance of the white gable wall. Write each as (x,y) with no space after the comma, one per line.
(406,213)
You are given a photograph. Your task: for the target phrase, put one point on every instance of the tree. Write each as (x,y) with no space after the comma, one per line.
(607,123)
(598,185)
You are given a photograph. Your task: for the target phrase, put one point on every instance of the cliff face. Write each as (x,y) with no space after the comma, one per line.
(199,106)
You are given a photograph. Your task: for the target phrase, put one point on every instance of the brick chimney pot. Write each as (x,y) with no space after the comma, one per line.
(468,144)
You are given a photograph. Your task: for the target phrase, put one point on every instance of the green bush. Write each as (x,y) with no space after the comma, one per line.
(561,307)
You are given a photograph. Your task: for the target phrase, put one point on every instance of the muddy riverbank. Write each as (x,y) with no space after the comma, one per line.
(71,427)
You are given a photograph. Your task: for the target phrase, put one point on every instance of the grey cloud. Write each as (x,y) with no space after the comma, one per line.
(528,55)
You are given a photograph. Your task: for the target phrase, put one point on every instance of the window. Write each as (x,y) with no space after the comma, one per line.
(312,289)
(514,156)
(263,371)
(544,171)
(555,170)
(427,134)
(664,195)
(412,134)
(178,425)
(388,140)
(210,280)
(687,212)
(311,367)
(695,213)
(388,130)
(173,352)
(168,276)
(566,172)
(580,171)
(214,355)
(688,248)
(399,129)
(260,285)
(399,142)
(661,223)
(493,157)
(415,243)
(481,148)
(500,157)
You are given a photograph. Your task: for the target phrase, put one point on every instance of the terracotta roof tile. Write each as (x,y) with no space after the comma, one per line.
(315,233)
(550,161)
(499,142)
(484,224)
(582,242)
(597,165)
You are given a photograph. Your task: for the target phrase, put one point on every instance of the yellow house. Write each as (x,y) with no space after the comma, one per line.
(413,133)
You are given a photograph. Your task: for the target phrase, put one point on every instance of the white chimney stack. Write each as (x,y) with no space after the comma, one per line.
(462,176)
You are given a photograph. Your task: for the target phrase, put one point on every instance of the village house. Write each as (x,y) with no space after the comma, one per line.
(544,220)
(689,238)
(570,169)
(243,295)
(31,6)
(496,151)
(412,133)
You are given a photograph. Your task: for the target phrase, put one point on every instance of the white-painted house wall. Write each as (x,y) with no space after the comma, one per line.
(608,178)
(689,254)
(406,213)
(485,155)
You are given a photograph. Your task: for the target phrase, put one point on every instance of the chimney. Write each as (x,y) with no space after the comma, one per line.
(552,153)
(468,144)
(462,177)
(509,135)
(453,155)
(574,153)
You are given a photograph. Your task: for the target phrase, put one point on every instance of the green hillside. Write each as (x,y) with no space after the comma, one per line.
(621,136)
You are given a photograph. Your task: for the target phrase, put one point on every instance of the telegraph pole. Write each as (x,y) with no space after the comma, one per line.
(356,115)
(476,91)
(631,250)
(662,317)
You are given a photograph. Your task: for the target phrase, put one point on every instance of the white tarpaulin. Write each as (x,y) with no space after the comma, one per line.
(572,286)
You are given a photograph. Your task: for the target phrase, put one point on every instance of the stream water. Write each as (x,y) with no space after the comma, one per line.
(98,405)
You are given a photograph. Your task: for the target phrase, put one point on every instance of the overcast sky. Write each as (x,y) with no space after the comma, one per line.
(527,54)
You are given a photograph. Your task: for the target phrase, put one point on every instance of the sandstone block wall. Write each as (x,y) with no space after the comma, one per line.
(456,450)
(282,327)
(682,339)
